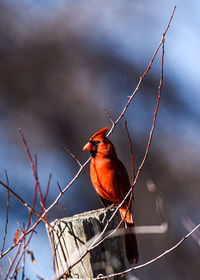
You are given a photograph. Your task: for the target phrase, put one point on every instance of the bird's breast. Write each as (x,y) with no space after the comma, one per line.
(104,177)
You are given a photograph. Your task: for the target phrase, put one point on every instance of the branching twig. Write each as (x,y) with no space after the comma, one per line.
(13,261)
(73,156)
(109,117)
(59,187)
(154,119)
(25,244)
(153,260)
(26,204)
(96,242)
(144,74)
(33,167)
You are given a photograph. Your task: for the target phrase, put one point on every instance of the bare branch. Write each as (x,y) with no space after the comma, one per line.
(131,150)
(109,117)
(27,151)
(33,167)
(33,205)
(23,256)
(153,260)
(154,119)
(59,187)
(23,253)
(189,225)
(35,174)
(48,186)
(25,204)
(30,209)
(12,262)
(61,206)
(73,156)
(6,223)
(144,74)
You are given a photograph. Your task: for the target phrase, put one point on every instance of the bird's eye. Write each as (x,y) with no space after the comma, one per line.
(95,143)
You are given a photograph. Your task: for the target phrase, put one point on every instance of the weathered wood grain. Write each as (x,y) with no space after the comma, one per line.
(73,236)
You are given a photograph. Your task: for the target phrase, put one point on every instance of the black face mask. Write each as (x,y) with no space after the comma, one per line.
(95,144)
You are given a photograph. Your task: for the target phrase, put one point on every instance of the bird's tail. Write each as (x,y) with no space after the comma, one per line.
(131,243)
(130,236)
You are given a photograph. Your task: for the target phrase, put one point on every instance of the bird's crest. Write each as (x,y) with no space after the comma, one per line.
(101,134)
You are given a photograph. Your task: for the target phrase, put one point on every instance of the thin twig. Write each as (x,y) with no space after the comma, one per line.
(152,260)
(35,175)
(22,255)
(109,117)
(6,222)
(12,262)
(131,150)
(133,166)
(189,225)
(59,187)
(155,116)
(48,186)
(33,167)
(144,74)
(46,211)
(33,206)
(72,155)
(26,204)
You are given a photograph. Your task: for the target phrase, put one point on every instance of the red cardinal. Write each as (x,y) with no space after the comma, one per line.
(110,180)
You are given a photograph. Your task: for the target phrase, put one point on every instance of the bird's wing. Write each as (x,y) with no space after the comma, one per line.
(122,178)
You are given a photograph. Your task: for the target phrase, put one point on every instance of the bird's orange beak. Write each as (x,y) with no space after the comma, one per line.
(88,147)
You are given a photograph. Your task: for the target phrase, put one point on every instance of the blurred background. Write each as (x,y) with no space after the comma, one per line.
(62,64)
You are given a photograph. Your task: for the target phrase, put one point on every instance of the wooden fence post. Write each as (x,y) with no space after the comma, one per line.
(74,234)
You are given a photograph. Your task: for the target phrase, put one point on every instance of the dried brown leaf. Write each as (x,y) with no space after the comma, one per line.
(17,233)
(32,256)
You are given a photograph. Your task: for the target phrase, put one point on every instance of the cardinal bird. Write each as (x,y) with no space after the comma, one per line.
(111,182)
